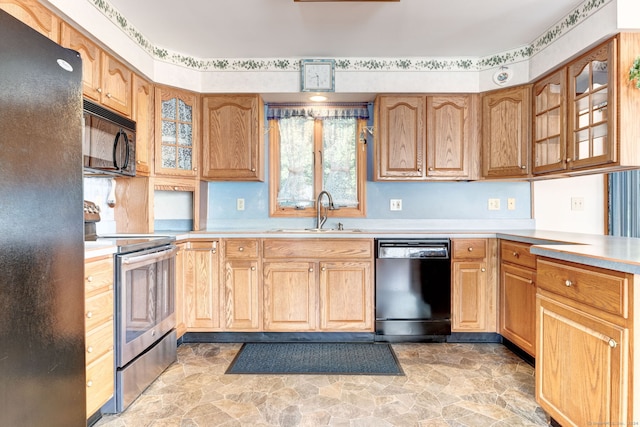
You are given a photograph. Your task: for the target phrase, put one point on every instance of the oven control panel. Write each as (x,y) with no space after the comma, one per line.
(91,211)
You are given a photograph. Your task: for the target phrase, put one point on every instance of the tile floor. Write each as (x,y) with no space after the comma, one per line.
(444,385)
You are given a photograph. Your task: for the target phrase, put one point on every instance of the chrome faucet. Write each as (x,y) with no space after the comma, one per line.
(321,219)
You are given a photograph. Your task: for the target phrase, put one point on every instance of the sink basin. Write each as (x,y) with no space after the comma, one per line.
(317,230)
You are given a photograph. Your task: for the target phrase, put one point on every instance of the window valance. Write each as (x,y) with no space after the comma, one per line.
(318,111)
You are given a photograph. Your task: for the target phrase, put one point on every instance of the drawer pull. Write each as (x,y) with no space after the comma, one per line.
(89,349)
(253,269)
(483,269)
(612,343)
(470,249)
(311,270)
(516,254)
(89,383)
(89,314)
(568,283)
(323,269)
(90,279)
(241,249)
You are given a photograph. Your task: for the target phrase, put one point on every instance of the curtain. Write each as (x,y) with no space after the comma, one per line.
(296,162)
(339,142)
(318,111)
(624,200)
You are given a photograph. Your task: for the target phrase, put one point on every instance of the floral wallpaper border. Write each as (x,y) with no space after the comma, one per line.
(577,16)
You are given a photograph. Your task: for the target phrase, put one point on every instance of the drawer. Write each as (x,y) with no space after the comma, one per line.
(241,248)
(602,289)
(315,249)
(203,245)
(99,341)
(98,309)
(99,382)
(469,248)
(517,253)
(97,275)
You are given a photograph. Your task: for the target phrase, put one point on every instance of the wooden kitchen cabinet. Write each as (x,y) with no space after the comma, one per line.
(177,132)
(35,15)
(518,295)
(346,296)
(201,295)
(421,137)
(143,115)
(583,367)
(233,137)
(549,142)
(318,285)
(242,285)
(506,116)
(474,287)
(290,296)
(104,79)
(99,332)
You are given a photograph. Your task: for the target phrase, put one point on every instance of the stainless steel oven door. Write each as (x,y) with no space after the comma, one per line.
(145,300)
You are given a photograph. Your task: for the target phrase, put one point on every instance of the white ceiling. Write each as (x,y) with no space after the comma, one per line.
(286,29)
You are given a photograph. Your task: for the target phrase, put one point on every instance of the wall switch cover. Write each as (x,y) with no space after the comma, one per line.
(577,203)
(240,204)
(511,204)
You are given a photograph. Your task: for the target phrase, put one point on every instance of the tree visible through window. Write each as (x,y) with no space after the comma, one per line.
(315,149)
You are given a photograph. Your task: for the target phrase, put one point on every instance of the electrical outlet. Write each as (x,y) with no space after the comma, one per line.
(240,204)
(577,203)
(494,204)
(511,204)
(395,204)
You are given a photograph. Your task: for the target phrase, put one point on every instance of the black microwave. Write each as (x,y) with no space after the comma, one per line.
(108,142)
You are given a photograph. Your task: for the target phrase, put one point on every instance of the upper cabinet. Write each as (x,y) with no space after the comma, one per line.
(585,113)
(177,133)
(233,142)
(422,137)
(104,79)
(505,132)
(549,116)
(35,15)
(143,107)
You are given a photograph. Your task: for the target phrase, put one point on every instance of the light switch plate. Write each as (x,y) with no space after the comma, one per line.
(240,204)
(395,204)
(494,204)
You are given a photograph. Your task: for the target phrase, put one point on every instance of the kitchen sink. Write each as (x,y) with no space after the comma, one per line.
(317,230)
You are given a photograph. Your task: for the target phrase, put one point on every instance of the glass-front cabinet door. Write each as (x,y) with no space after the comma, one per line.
(176,132)
(592,109)
(549,140)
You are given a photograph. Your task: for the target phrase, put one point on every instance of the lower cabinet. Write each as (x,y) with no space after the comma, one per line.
(99,332)
(583,367)
(201,291)
(518,295)
(474,291)
(242,285)
(318,285)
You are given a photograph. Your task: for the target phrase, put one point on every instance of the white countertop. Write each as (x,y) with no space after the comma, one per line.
(616,253)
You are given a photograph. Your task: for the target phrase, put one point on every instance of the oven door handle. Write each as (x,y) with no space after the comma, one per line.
(156,256)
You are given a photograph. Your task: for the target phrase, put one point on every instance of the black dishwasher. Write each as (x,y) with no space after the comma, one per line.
(413,290)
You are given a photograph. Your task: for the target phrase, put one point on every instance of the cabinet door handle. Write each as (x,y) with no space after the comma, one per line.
(612,343)
(516,254)
(323,269)
(483,269)
(253,269)
(108,95)
(89,383)
(568,283)
(523,167)
(89,315)
(430,169)
(90,279)
(89,349)
(99,90)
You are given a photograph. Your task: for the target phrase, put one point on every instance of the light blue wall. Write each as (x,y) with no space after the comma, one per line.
(424,204)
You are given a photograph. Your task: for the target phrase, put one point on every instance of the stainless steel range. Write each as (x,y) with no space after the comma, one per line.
(144,310)
(145,337)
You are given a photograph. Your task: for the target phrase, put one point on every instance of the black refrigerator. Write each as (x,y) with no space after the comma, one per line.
(42,371)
